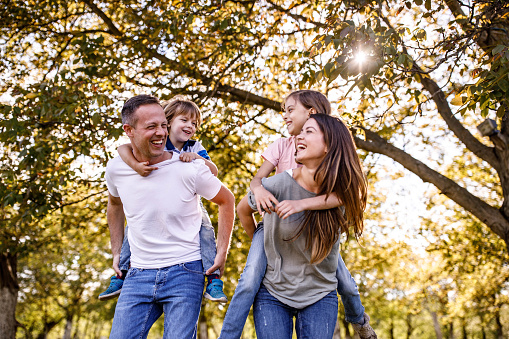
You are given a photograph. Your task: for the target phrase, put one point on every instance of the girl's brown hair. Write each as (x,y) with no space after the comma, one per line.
(340,173)
(178,106)
(310,99)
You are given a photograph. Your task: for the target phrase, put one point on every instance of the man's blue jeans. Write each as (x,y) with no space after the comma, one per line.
(147,293)
(274,319)
(252,277)
(207,245)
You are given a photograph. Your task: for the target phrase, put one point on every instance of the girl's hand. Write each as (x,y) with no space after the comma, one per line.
(143,169)
(288,207)
(265,201)
(189,156)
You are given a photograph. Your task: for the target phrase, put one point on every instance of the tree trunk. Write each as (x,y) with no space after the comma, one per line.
(409,328)
(451,331)
(391,330)
(436,325)
(337,331)
(348,335)
(8,295)
(68,327)
(203,332)
(500,328)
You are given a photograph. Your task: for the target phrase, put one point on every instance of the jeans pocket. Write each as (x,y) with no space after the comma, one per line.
(132,272)
(193,267)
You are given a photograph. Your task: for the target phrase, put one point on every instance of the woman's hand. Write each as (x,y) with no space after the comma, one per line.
(265,201)
(143,169)
(288,207)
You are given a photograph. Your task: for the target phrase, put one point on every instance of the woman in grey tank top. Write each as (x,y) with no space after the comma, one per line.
(302,249)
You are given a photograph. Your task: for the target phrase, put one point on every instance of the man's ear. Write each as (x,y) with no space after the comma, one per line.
(128,129)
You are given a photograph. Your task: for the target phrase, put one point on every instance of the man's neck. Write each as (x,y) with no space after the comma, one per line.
(152,161)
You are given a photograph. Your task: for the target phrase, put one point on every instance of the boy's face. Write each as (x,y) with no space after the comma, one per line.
(183,127)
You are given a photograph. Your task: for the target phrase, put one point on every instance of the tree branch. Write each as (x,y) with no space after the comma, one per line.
(487,214)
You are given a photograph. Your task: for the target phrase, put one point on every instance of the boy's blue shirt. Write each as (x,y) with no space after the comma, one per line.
(190,146)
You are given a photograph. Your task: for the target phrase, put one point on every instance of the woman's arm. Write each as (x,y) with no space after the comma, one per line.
(246,217)
(126,153)
(288,207)
(264,199)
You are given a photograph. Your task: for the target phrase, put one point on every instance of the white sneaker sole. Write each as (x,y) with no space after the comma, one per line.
(221,300)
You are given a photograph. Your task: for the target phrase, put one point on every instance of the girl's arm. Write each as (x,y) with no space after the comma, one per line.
(246,217)
(264,199)
(288,207)
(126,153)
(190,156)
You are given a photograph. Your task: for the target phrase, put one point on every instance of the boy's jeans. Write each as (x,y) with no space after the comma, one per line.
(274,319)
(251,280)
(207,245)
(147,293)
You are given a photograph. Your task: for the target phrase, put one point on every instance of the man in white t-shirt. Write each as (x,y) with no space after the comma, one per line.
(164,218)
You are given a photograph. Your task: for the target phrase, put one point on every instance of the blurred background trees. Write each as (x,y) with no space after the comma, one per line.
(413,79)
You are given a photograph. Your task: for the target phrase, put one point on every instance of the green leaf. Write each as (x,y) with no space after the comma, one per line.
(498,49)
(500,111)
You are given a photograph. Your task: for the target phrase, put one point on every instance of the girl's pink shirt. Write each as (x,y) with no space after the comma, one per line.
(281,154)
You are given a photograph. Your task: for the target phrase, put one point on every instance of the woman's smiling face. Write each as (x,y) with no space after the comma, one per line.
(310,144)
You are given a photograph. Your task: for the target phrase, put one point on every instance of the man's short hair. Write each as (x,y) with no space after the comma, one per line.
(131,105)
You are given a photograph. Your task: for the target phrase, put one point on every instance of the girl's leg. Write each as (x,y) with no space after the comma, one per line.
(247,287)
(272,318)
(347,289)
(319,319)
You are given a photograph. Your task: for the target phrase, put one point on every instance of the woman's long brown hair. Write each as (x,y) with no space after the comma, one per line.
(340,173)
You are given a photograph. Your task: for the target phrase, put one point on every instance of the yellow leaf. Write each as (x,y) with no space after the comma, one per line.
(457,101)
(31,95)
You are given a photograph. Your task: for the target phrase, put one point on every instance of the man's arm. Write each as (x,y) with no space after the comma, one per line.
(116,219)
(226,203)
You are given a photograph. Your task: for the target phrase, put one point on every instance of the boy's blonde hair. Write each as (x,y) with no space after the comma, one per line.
(179,106)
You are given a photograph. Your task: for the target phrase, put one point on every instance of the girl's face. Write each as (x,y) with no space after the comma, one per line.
(182,128)
(295,115)
(310,143)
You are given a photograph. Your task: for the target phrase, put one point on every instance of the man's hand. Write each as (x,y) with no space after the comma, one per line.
(143,169)
(219,263)
(288,207)
(116,267)
(189,156)
(265,201)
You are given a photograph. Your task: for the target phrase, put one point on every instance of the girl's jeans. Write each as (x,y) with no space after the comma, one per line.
(251,280)
(207,244)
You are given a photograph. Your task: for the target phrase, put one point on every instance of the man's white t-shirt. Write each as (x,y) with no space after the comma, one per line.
(162,209)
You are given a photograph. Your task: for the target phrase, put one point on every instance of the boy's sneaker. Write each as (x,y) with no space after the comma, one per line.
(113,290)
(214,291)
(365,331)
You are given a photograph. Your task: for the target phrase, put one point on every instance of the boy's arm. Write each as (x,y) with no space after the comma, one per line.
(116,218)
(126,153)
(226,203)
(246,217)
(264,199)
(190,156)
(288,207)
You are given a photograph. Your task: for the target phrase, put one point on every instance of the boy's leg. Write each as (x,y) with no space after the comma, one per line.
(214,290)
(247,287)
(116,283)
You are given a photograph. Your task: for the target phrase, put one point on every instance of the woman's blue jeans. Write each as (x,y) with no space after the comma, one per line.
(251,280)
(147,293)
(274,319)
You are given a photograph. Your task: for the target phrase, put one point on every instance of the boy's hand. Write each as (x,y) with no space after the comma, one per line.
(219,263)
(143,169)
(189,156)
(265,201)
(288,207)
